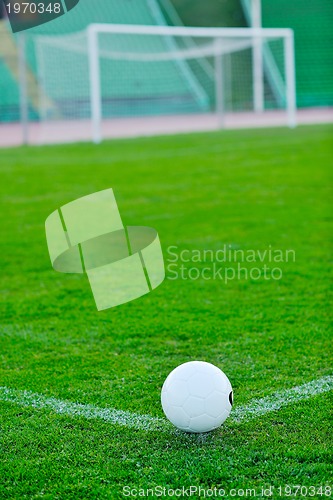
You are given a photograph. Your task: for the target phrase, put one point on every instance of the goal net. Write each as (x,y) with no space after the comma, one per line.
(112,71)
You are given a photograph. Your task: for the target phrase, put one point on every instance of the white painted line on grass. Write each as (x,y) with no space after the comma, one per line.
(278,399)
(254,409)
(120,417)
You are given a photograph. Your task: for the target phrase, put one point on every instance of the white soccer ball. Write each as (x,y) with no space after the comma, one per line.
(197,397)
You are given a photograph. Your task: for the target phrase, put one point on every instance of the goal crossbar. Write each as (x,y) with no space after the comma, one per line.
(135,29)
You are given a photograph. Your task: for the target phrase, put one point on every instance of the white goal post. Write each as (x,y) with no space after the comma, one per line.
(216,42)
(131,77)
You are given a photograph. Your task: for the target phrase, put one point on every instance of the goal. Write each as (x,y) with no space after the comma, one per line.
(114,71)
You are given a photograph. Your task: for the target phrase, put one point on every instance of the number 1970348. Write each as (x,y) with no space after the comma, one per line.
(33,8)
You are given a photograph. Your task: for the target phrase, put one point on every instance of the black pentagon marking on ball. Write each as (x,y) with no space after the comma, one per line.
(231,398)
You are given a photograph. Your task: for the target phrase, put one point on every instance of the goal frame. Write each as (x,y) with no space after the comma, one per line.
(256,34)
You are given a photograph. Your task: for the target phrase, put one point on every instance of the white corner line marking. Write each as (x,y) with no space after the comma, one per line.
(255,408)
(279,399)
(111,415)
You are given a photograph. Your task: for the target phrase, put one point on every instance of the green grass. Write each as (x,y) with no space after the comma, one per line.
(250,189)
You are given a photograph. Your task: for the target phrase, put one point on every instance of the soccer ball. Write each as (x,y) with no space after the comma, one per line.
(197,397)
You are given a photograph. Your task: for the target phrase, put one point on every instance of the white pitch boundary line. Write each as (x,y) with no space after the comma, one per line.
(256,408)
(111,415)
(279,399)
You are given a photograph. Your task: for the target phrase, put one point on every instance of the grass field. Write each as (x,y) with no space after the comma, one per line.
(249,189)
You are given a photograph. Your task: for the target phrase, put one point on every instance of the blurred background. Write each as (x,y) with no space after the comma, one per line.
(164,83)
